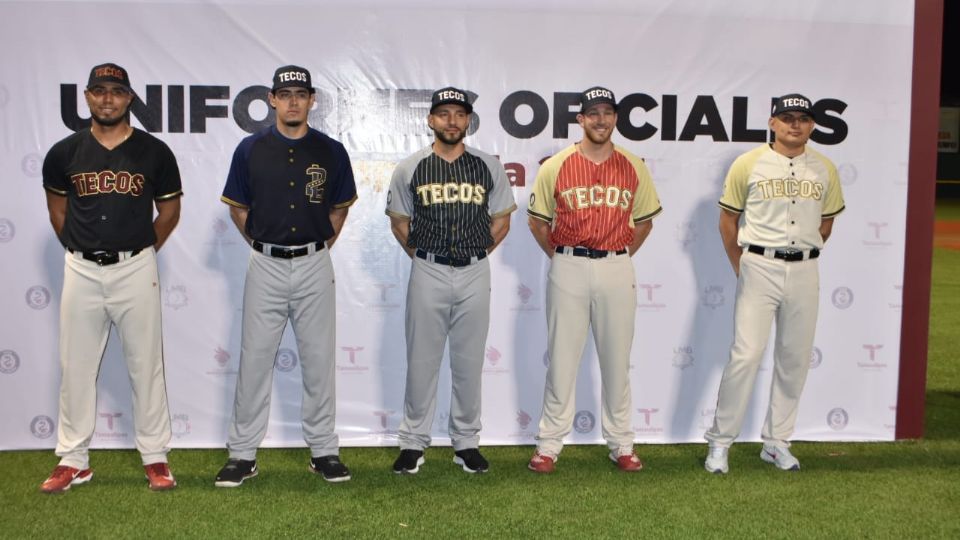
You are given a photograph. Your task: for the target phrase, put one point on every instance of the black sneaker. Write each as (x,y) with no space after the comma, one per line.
(471,460)
(408,462)
(330,468)
(235,472)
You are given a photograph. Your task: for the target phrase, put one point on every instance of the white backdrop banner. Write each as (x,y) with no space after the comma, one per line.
(696,82)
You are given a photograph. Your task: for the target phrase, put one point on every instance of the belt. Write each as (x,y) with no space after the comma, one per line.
(451,261)
(106,258)
(588,252)
(287,252)
(787,255)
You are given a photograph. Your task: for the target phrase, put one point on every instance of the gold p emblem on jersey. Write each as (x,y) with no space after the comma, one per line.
(315,187)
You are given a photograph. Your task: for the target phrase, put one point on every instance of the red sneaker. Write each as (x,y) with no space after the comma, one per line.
(541,463)
(627,462)
(63,477)
(159,476)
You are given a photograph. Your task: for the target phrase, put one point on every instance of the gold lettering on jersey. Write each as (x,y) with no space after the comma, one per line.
(775,188)
(579,198)
(103,182)
(315,186)
(451,193)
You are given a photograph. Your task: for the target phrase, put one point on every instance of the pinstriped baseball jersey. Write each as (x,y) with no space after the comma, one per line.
(783,200)
(593,205)
(450,204)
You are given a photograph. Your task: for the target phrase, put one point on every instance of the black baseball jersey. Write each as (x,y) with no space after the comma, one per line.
(450,204)
(289,185)
(110,193)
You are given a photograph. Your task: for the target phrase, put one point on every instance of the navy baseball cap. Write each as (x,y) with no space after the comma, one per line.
(450,96)
(596,95)
(109,73)
(292,77)
(792,103)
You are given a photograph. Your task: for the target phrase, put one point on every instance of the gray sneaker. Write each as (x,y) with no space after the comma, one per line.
(780,456)
(716,461)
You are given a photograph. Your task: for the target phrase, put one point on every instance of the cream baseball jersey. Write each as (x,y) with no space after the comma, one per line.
(593,205)
(783,199)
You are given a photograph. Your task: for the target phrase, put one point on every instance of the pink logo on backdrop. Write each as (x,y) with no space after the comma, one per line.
(892,425)
(32,165)
(872,360)
(525,295)
(221,356)
(112,421)
(42,426)
(877,234)
(647,293)
(897,302)
(180,425)
(523,419)
(354,364)
(493,359)
(650,424)
(385,300)
(385,432)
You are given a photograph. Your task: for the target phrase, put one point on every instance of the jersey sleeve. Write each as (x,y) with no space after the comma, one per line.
(236,192)
(501,201)
(543,203)
(54,176)
(344,192)
(646,203)
(400,197)
(169,184)
(833,201)
(734,196)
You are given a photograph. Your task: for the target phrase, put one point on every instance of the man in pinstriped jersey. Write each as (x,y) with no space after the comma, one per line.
(590,210)
(449,207)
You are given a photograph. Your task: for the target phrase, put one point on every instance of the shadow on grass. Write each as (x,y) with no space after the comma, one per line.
(942,416)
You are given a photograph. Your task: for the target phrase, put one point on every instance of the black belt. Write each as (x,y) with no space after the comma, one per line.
(588,252)
(450,261)
(102,257)
(281,252)
(789,256)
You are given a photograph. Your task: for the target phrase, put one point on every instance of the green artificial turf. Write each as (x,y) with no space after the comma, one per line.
(907,489)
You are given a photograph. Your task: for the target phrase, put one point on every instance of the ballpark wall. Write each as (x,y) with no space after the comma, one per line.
(692,71)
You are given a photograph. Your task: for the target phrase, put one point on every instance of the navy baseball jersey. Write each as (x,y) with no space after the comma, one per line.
(450,204)
(289,185)
(110,193)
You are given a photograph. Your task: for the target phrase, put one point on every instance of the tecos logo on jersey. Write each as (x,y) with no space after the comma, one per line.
(346,108)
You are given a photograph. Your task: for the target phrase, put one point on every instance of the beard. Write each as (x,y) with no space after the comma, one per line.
(110,122)
(293,123)
(446,138)
(598,139)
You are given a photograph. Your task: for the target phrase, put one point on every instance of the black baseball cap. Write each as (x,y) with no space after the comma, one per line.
(792,103)
(450,96)
(292,77)
(109,73)
(596,95)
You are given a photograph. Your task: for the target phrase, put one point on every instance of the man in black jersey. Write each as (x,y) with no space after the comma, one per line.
(103,184)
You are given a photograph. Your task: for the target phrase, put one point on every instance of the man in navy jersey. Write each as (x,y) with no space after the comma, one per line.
(449,207)
(102,185)
(289,189)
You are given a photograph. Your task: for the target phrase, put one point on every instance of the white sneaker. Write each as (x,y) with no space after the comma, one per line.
(780,456)
(716,461)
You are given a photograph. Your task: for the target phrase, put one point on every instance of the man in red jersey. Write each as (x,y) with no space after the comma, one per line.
(591,208)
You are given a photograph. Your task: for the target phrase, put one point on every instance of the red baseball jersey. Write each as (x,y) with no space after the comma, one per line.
(594,205)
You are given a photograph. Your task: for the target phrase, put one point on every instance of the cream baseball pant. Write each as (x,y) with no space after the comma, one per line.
(127,295)
(587,293)
(768,290)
